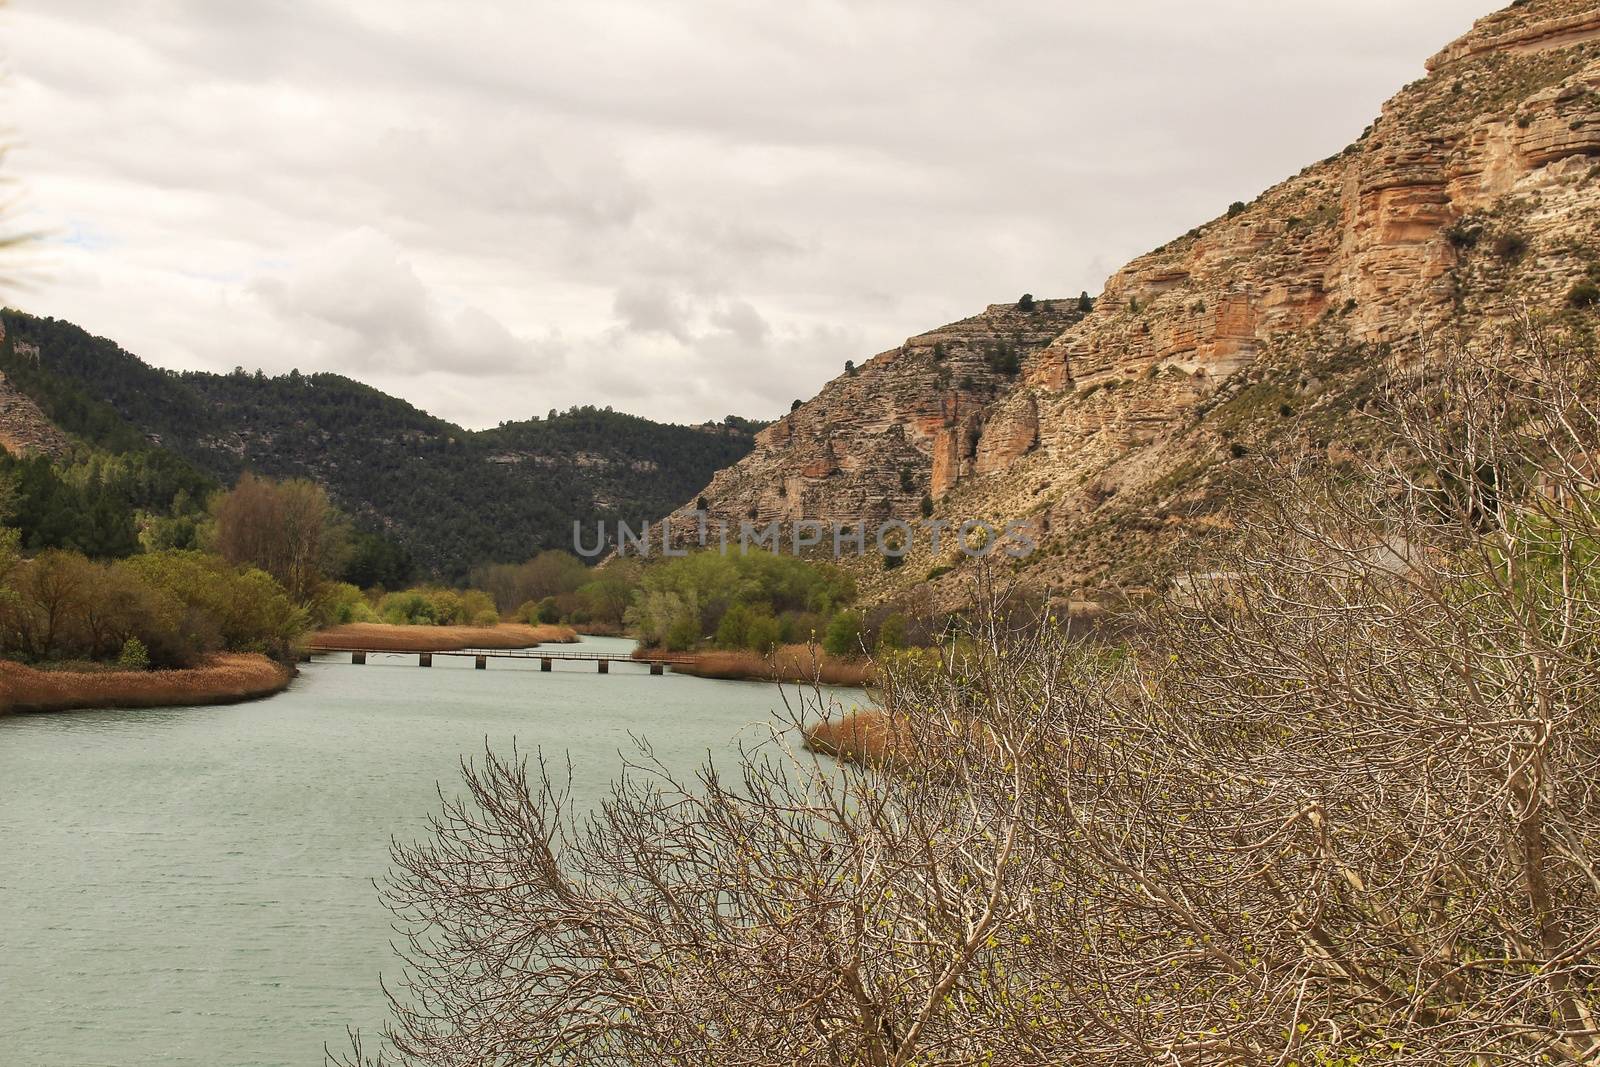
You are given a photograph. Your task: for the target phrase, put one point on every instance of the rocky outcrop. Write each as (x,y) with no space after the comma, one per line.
(1010,432)
(24,427)
(1505,31)
(1475,189)
(908,422)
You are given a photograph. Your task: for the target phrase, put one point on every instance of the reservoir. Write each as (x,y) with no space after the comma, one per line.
(194,886)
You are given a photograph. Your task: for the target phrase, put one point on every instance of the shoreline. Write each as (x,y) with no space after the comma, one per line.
(796,664)
(382,637)
(226,678)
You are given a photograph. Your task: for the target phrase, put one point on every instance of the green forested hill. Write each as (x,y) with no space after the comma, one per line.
(454,498)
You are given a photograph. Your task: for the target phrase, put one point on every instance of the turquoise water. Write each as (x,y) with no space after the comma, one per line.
(194,886)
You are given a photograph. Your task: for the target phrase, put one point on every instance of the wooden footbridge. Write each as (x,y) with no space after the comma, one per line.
(657,662)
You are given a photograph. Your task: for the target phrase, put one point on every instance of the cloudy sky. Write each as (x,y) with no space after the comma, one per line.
(681,208)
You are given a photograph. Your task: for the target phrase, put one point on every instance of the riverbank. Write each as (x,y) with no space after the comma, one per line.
(381,637)
(801,664)
(228,678)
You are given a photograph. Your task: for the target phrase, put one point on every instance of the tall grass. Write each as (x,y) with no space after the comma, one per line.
(866,736)
(226,678)
(789,663)
(381,637)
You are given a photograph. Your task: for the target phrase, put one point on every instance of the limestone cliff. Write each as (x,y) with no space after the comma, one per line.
(908,422)
(1477,190)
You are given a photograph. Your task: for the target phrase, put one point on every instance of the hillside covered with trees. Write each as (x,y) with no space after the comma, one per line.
(397,470)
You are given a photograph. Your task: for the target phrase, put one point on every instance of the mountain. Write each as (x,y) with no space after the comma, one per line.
(1127,431)
(453,498)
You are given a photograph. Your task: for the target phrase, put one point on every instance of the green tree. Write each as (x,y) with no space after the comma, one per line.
(764,633)
(694,592)
(606,596)
(377,561)
(843,637)
(892,632)
(134,656)
(552,573)
(8,495)
(239,609)
(734,629)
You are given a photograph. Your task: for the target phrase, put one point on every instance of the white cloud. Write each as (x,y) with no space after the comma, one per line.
(358,306)
(683,208)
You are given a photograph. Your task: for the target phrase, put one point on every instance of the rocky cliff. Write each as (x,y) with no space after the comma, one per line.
(1475,192)
(906,423)
(24,427)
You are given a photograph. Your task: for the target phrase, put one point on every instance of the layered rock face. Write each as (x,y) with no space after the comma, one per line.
(1474,194)
(910,421)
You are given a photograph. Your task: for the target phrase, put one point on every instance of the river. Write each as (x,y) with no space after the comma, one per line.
(193,886)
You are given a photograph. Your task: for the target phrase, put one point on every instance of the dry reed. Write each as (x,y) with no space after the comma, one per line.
(789,663)
(866,735)
(381,637)
(222,679)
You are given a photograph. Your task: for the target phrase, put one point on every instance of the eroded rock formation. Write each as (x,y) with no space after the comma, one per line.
(1475,192)
(25,428)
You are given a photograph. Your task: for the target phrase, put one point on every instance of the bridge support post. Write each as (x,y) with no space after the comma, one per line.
(481,663)
(424,659)
(605,666)
(544,663)
(358,658)
(658,668)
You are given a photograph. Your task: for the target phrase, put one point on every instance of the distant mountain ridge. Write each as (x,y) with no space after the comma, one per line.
(454,498)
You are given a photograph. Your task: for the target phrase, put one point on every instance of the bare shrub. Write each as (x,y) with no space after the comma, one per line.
(1337,807)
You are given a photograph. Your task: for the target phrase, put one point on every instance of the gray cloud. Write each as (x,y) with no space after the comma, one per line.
(683,208)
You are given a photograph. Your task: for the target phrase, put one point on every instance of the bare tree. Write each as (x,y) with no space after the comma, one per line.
(288,529)
(1336,807)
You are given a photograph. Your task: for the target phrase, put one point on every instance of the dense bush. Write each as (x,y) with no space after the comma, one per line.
(682,601)
(608,593)
(437,606)
(236,609)
(539,612)
(1336,808)
(165,609)
(748,627)
(552,573)
(340,603)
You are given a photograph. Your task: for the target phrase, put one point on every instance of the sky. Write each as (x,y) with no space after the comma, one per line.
(682,209)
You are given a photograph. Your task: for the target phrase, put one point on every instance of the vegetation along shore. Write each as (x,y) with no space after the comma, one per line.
(379,637)
(225,678)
